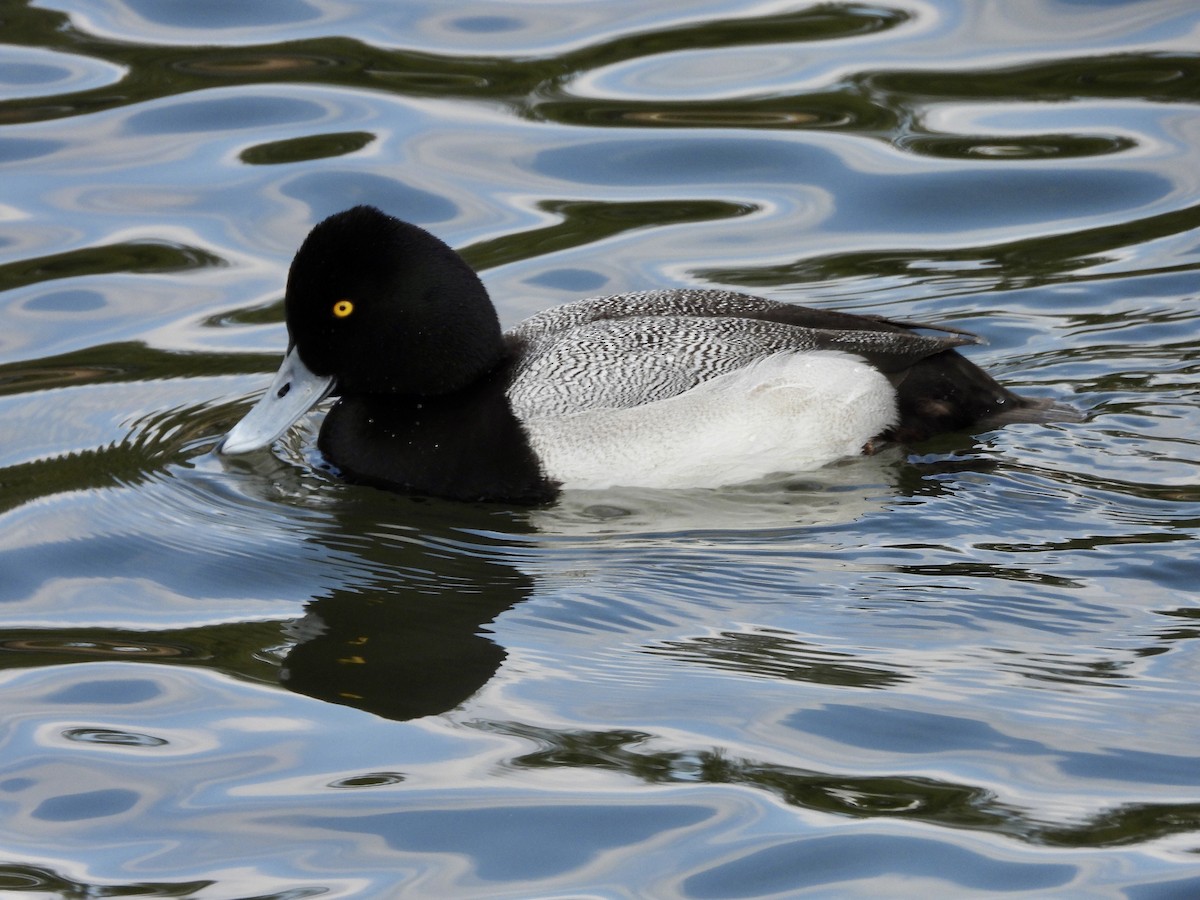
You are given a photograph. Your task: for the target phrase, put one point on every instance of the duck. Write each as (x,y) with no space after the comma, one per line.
(670,388)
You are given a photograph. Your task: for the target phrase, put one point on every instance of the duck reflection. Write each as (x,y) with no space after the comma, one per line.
(400,593)
(407,634)
(399,654)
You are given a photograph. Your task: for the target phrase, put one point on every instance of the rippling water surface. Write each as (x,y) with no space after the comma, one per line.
(961,669)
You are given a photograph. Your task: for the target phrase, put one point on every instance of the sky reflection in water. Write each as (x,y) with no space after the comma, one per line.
(962,669)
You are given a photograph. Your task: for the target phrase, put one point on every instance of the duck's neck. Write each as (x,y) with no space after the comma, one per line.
(467,445)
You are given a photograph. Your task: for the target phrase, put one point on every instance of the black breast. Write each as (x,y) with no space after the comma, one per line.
(462,446)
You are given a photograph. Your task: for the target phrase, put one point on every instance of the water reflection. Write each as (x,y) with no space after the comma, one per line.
(401,629)
(965,670)
(399,594)
(411,640)
(34,72)
(872,863)
(411,637)
(939,801)
(778,656)
(1049,259)
(306,148)
(331,191)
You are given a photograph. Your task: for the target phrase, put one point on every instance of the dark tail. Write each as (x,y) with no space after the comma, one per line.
(948,392)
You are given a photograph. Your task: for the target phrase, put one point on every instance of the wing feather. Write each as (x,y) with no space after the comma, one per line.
(629,349)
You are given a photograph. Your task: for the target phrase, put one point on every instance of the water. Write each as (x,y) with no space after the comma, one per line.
(961,669)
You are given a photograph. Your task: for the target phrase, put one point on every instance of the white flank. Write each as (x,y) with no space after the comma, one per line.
(789,412)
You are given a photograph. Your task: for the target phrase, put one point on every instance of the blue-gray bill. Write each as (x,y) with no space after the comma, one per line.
(293,392)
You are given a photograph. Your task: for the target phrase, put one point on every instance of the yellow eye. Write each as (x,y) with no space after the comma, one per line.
(343,308)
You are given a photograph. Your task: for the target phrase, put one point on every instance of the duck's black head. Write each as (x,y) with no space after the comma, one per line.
(386,308)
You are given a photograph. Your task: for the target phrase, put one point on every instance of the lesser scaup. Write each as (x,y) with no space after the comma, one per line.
(668,388)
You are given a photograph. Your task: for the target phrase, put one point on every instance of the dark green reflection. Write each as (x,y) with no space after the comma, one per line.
(316,146)
(1146,77)
(269,314)
(142,257)
(1038,146)
(917,798)
(100,468)
(584,222)
(1132,823)
(125,361)
(777,656)
(837,109)
(44,881)
(234,648)
(909,797)
(402,633)
(1045,259)
(165,71)
(889,105)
